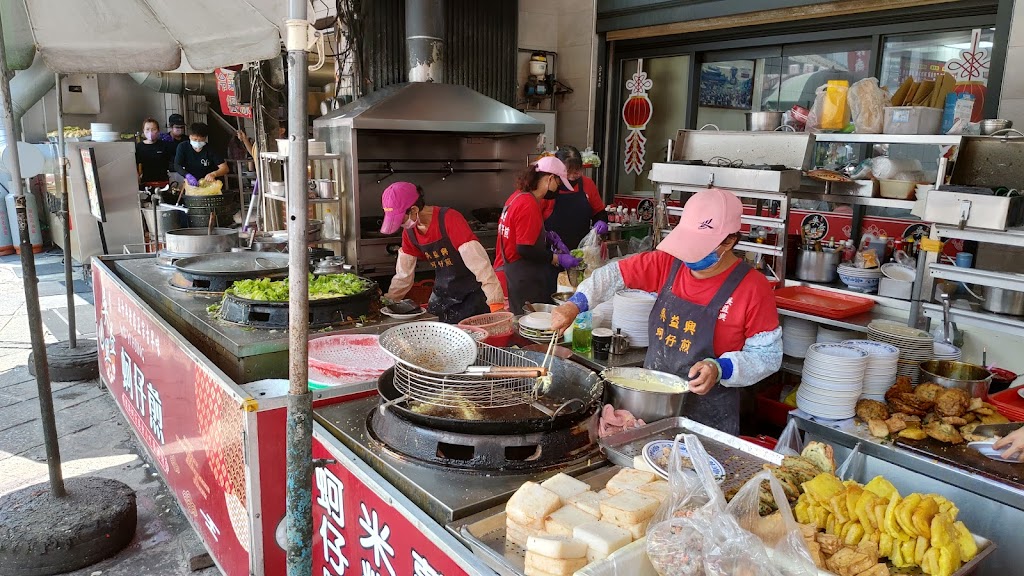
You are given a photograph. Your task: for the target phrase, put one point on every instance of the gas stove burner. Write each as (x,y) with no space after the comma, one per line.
(166,259)
(474,452)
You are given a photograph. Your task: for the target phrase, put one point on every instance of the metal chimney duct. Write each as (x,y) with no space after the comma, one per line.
(424,40)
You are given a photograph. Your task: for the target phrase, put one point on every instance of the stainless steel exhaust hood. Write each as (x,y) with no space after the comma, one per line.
(431,107)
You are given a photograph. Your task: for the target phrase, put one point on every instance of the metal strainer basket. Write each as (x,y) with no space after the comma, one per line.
(470,390)
(430,347)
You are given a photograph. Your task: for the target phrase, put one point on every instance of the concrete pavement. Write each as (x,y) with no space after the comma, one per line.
(94,439)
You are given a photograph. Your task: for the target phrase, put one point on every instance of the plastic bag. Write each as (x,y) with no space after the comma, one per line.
(817,109)
(778,531)
(790,443)
(645,244)
(593,255)
(688,492)
(699,538)
(835,115)
(867,103)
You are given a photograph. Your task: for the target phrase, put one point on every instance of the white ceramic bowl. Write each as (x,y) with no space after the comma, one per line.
(859,283)
(899,272)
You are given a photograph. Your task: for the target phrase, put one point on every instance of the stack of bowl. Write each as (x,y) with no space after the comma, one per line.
(860,279)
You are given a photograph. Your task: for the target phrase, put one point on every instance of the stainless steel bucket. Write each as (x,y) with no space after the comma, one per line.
(763,121)
(200,241)
(1003,301)
(646,405)
(817,266)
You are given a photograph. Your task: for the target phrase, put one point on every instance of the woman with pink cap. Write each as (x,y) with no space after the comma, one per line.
(714,321)
(464,282)
(525,263)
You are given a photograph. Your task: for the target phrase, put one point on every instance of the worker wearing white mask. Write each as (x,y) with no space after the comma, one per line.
(194,159)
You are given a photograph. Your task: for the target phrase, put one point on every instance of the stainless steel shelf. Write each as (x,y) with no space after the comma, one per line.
(284,157)
(768,249)
(1011,237)
(859,322)
(975,276)
(856,200)
(1010,325)
(894,303)
(936,139)
(311,200)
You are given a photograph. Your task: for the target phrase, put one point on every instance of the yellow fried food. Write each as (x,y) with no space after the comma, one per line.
(943,532)
(922,517)
(866,510)
(904,514)
(920,548)
(892,526)
(913,434)
(881,487)
(823,488)
(964,538)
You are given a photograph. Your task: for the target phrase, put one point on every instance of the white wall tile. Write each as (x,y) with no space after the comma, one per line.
(1017,25)
(575,29)
(1012,109)
(1013,80)
(538,31)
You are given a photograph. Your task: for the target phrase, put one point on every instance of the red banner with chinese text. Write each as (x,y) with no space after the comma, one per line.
(355,532)
(190,424)
(229,104)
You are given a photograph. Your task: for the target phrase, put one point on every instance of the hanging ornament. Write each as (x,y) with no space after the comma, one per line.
(636,113)
(970,70)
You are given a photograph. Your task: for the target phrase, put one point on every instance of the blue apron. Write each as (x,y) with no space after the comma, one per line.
(683,333)
(457,294)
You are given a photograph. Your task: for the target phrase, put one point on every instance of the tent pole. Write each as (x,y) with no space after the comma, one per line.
(28,265)
(65,215)
(299,514)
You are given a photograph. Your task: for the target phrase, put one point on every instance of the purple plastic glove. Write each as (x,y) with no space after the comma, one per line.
(192,180)
(556,242)
(568,261)
(601,227)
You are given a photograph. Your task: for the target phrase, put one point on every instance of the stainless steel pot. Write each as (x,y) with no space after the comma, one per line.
(1003,301)
(991,125)
(970,377)
(644,404)
(200,241)
(325,189)
(817,266)
(763,121)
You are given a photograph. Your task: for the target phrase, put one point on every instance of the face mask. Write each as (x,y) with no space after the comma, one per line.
(151,135)
(552,194)
(409,223)
(197,145)
(704,263)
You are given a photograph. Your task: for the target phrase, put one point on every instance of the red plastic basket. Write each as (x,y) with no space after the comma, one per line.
(1009,403)
(821,302)
(495,323)
(762,441)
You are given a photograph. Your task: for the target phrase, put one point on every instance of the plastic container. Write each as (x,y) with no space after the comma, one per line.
(912,120)
(824,303)
(897,189)
(1009,403)
(770,409)
(892,288)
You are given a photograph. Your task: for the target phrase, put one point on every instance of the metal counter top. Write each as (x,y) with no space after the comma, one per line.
(244,353)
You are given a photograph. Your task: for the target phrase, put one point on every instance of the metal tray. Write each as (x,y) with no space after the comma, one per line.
(740,458)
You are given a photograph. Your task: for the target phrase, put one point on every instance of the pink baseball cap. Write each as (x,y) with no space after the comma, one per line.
(708,217)
(397,199)
(553,165)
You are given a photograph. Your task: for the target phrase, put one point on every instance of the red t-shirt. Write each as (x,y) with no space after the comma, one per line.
(751,310)
(593,196)
(521,223)
(454,224)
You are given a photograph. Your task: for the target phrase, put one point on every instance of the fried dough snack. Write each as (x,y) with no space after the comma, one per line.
(872,410)
(952,402)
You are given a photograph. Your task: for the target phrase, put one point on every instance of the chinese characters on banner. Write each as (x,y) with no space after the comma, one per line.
(228,99)
(189,423)
(357,533)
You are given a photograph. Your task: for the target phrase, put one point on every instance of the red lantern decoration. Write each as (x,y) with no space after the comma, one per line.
(636,113)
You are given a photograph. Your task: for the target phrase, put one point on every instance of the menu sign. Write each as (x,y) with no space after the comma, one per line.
(92,184)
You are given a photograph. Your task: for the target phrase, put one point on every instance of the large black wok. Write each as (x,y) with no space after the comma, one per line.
(570,382)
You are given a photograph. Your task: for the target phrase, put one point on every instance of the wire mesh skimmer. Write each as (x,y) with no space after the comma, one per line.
(470,390)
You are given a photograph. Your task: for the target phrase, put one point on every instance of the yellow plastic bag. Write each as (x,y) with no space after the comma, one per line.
(204,189)
(835,114)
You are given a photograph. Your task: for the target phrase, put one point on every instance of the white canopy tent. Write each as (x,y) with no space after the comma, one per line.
(122,36)
(119,36)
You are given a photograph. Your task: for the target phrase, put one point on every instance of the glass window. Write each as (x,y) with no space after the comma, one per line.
(667,94)
(778,81)
(925,56)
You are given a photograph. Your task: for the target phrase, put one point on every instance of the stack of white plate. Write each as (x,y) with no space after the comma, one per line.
(944,351)
(536,327)
(880,374)
(631,311)
(797,335)
(832,381)
(915,345)
(828,335)
(106,136)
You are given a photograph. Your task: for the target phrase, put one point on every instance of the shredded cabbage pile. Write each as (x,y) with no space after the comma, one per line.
(326,286)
